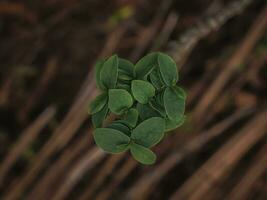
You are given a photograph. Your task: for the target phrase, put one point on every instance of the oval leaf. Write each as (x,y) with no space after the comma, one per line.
(170,125)
(124,86)
(156,79)
(145,65)
(174,104)
(146,112)
(142,154)
(119,100)
(149,132)
(160,109)
(99,117)
(180,92)
(98,103)
(142,91)
(117,125)
(109,72)
(98,67)
(124,77)
(110,140)
(168,69)
(131,117)
(126,67)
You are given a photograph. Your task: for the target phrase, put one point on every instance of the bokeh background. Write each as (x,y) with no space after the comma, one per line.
(47,52)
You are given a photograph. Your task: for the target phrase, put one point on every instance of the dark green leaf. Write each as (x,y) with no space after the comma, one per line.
(159,108)
(119,101)
(174,104)
(117,125)
(98,103)
(142,154)
(167,69)
(98,67)
(145,111)
(124,77)
(126,67)
(110,140)
(159,98)
(156,79)
(149,132)
(145,65)
(99,117)
(124,86)
(180,92)
(109,72)
(142,91)
(123,81)
(170,125)
(131,117)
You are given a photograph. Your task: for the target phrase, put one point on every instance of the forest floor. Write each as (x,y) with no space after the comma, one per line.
(47,52)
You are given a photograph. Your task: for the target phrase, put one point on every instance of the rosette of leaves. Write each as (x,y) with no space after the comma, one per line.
(146,102)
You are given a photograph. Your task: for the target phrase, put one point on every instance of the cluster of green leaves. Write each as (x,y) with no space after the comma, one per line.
(144,97)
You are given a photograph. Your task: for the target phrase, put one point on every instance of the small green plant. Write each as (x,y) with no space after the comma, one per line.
(144,98)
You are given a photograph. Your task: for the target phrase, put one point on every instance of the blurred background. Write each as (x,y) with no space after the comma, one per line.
(47,52)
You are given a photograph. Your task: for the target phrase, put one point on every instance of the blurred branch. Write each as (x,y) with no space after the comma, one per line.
(256,170)
(63,134)
(180,49)
(168,27)
(224,160)
(127,167)
(87,162)
(50,178)
(240,55)
(18,10)
(105,170)
(148,33)
(39,90)
(26,137)
(144,185)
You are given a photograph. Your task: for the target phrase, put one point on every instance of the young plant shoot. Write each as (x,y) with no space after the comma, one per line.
(144,98)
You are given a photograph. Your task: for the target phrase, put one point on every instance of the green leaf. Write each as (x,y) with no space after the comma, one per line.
(145,111)
(124,86)
(145,65)
(126,67)
(159,108)
(180,92)
(170,125)
(168,69)
(142,91)
(119,101)
(99,117)
(124,77)
(117,125)
(174,104)
(156,79)
(109,72)
(131,117)
(142,154)
(110,140)
(98,103)
(149,132)
(98,67)
(124,81)
(159,98)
